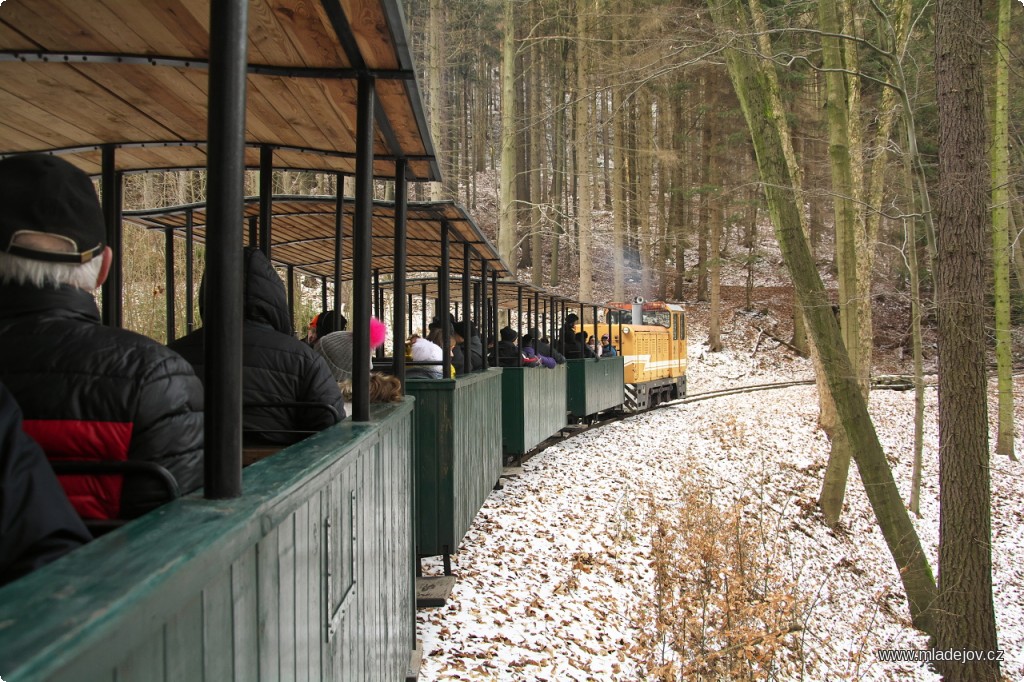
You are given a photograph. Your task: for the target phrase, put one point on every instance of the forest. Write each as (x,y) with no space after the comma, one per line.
(617,149)
(860,154)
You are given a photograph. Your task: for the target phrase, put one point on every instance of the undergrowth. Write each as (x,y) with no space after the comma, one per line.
(722,607)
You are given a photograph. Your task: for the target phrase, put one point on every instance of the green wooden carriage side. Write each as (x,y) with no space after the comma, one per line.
(308,575)
(457,450)
(532,406)
(594,385)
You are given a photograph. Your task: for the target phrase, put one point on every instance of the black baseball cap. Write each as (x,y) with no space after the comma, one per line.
(43,194)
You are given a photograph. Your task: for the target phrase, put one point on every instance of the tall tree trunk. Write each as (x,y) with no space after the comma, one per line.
(556,196)
(799,331)
(507,220)
(436,68)
(665,125)
(601,105)
(619,180)
(537,156)
(704,215)
(585,183)
(681,200)
(966,617)
(753,90)
(1001,233)
(910,228)
(851,245)
(715,252)
(750,241)
(645,241)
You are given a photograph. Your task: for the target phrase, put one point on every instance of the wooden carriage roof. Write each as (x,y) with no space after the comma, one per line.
(77,74)
(508,290)
(303,233)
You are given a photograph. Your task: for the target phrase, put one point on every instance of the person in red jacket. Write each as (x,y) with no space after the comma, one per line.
(88,392)
(37,522)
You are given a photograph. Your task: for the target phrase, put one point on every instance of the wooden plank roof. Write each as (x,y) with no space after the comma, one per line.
(77,74)
(508,290)
(303,233)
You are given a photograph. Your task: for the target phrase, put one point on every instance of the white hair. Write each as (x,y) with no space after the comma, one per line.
(41,274)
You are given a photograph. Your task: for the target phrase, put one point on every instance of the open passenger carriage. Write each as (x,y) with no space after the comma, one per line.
(303,566)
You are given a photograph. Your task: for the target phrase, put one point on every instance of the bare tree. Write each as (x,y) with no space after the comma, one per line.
(966,615)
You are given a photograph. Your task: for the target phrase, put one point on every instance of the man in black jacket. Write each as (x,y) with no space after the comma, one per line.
(87,391)
(276,366)
(37,522)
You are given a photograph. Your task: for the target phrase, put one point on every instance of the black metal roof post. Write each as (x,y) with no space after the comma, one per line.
(112,287)
(608,317)
(362,251)
(266,197)
(562,328)
(376,293)
(409,311)
(536,313)
(423,310)
(339,235)
(466,309)
(190,304)
(169,280)
(495,321)
(446,301)
(519,316)
(291,293)
(398,333)
(223,352)
(529,315)
(378,307)
(482,320)
(323,294)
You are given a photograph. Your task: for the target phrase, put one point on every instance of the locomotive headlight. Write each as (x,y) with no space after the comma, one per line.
(625,330)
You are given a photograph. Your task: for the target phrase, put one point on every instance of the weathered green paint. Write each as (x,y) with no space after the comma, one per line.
(238,589)
(457,449)
(594,385)
(532,406)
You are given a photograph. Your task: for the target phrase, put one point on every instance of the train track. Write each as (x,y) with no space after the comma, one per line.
(571,431)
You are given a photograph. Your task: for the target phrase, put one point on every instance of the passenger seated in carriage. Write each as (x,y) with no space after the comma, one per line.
(323,324)
(508,354)
(336,349)
(89,392)
(277,368)
(476,347)
(426,351)
(37,522)
(530,351)
(607,349)
(543,346)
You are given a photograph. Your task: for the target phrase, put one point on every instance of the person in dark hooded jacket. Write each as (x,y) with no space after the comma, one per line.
(476,347)
(276,366)
(37,522)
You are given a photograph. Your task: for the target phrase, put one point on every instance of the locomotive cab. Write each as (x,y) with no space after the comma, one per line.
(651,336)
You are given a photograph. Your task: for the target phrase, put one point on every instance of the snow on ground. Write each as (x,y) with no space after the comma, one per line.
(556,566)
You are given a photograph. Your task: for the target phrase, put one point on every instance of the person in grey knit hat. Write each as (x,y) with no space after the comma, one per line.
(336,348)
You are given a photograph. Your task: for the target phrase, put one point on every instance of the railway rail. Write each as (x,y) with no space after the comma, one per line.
(886,382)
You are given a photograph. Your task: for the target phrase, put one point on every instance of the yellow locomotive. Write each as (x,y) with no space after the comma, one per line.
(651,337)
